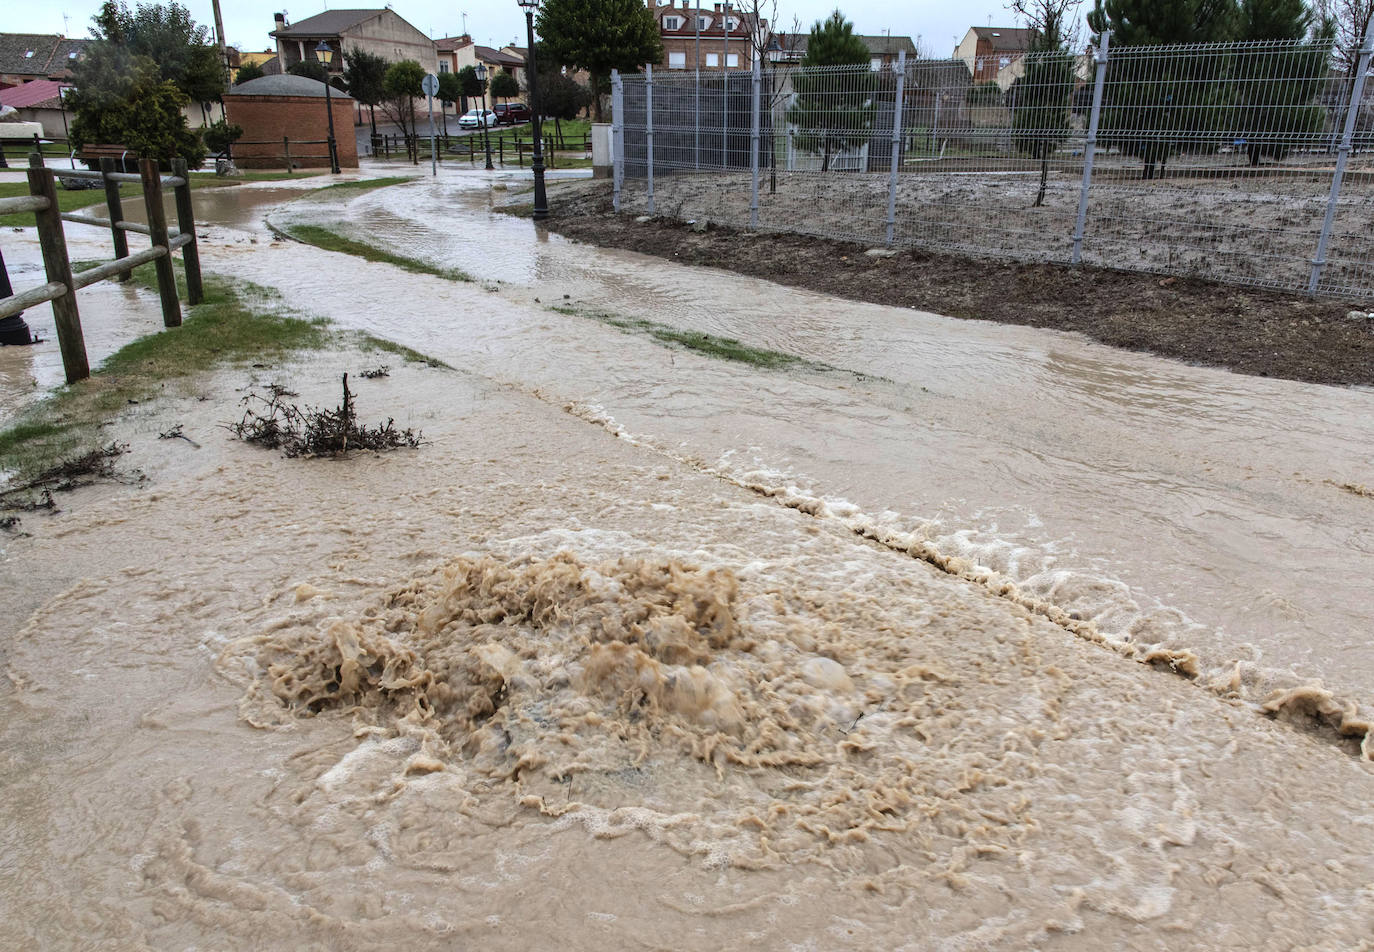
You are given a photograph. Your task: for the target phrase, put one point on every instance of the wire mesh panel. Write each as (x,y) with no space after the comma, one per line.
(1215,160)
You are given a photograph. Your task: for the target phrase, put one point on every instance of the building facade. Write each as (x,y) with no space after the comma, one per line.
(988,51)
(382,32)
(697,37)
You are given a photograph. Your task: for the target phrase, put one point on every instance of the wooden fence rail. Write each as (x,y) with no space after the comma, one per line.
(62,284)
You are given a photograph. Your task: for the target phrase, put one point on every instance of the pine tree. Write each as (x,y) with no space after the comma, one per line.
(599,36)
(1154,103)
(1278,90)
(832,110)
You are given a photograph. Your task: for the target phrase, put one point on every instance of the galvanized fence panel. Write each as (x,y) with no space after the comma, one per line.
(1214,160)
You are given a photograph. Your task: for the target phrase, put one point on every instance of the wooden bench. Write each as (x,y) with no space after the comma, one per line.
(125,160)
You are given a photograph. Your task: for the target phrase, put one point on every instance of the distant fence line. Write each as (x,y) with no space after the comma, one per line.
(1249,163)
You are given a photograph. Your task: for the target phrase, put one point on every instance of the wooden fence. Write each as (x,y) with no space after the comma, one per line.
(62,284)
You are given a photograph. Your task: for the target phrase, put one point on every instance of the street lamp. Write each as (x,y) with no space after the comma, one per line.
(481,71)
(541,200)
(324,54)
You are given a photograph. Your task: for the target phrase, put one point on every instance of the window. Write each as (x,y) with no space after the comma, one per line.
(443,66)
(672,23)
(876,63)
(28,54)
(732,60)
(703,23)
(732,24)
(71,55)
(712,59)
(677,60)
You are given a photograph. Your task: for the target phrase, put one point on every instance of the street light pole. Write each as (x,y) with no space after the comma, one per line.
(481,71)
(324,54)
(541,199)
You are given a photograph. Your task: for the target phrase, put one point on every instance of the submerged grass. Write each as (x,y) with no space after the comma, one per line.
(329,240)
(365,185)
(226,328)
(711,345)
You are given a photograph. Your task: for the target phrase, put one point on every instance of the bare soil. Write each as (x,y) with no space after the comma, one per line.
(1251,331)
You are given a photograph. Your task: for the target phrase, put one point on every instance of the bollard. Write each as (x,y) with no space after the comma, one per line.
(186,224)
(115,208)
(157,231)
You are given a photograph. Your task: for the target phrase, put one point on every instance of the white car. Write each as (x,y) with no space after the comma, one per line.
(477,119)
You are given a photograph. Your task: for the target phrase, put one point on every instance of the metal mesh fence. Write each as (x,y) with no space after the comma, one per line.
(1249,163)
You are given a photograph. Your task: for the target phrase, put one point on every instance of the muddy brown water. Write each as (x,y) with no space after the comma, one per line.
(571,674)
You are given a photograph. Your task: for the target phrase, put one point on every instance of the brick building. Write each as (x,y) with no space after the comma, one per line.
(291,106)
(699,37)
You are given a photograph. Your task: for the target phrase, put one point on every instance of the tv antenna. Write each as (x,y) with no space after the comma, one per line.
(465,24)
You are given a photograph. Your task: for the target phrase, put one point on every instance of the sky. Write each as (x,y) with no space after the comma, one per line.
(247,22)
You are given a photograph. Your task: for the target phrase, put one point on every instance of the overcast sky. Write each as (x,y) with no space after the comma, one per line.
(247,22)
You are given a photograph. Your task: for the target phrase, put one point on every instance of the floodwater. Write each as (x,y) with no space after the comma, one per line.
(649,650)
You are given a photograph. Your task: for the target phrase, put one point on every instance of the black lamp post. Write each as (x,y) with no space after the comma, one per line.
(324,54)
(541,200)
(481,71)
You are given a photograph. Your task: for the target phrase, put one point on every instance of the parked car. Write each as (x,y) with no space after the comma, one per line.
(477,119)
(509,113)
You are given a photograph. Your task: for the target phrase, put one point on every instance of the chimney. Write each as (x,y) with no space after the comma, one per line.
(281,21)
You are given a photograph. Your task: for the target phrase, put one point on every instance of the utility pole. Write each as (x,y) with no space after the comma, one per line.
(223,53)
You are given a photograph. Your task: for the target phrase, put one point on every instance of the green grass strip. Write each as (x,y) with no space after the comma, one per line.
(333,241)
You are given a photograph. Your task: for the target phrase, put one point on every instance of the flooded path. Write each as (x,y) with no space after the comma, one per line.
(573,676)
(1185,508)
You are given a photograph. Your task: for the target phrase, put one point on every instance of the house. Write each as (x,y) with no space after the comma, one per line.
(883,49)
(460,52)
(700,38)
(267,60)
(39,101)
(988,50)
(26,57)
(382,32)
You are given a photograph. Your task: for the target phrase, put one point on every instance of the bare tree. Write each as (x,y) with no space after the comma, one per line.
(1056,22)
(1350,21)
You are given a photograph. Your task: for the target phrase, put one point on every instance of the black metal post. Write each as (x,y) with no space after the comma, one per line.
(329,108)
(541,199)
(486,137)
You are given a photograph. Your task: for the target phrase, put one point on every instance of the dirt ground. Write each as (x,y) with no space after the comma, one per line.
(1247,330)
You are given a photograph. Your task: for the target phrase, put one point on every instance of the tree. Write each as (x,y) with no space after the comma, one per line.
(561,97)
(1350,21)
(1153,104)
(599,36)
(123,97)
(401,86)
(1278,91)
(831,113)
(310,69)
(221,135)
(181,50)
(364,73)
(1042,97)
(247,73)
(450,93)
(504,86)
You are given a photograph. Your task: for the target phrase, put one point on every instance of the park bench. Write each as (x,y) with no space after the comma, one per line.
(125,160)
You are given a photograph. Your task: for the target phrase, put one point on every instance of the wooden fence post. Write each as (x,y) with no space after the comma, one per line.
(59,269)
(286,152)
(157,231)
(186,224)
(115,208)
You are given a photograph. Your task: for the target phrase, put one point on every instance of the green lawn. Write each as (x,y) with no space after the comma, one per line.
(68,201)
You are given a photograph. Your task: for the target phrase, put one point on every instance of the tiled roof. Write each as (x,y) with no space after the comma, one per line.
(329,23)
(1006,37)
(34,94)
(450,43)
(488,55)
(37,54)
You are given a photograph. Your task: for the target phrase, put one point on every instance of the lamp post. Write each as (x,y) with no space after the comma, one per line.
(324,54)
(541,199)
(481,71)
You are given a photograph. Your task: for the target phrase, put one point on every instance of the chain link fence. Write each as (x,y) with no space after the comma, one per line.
(1249,163)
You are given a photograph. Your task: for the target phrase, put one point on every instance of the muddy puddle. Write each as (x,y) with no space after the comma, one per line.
(644,648)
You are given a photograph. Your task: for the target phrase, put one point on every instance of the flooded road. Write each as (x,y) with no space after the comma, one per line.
(570,674)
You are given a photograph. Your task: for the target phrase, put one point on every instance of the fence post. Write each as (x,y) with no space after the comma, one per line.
(186,224)
(157,231)
(115,208)
(617,137)
(59,269)
(757,90)
(1090,146)
(649,129)
(286,152)
(896,148)
(1342,156)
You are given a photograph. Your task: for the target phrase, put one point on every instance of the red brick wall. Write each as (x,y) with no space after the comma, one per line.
(266,119)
